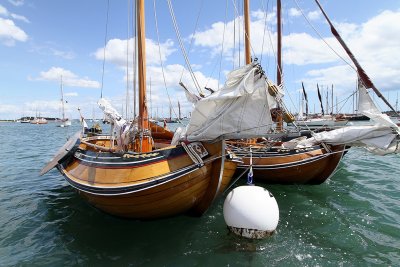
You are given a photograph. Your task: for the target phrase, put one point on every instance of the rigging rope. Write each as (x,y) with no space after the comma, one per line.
(161,62)
(127,64)
(196,83)
(135,49)
(234,39)
(222,44)
(322,38)
(104,51)
(237,12)
(194,34)
(265,27)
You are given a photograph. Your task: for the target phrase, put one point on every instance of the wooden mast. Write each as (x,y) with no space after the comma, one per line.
(143,122)
(279,123)
(279,43)
(247,32)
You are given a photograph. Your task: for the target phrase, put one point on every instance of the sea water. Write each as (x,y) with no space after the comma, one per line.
(350,220)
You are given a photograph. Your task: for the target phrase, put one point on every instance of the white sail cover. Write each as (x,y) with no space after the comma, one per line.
(367,107)
(121,127)
(241,109)
(380,138)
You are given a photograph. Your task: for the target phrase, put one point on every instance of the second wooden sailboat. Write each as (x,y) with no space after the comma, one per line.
(314,159)
(273,162)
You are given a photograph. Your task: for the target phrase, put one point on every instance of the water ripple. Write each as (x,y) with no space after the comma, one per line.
(352,220)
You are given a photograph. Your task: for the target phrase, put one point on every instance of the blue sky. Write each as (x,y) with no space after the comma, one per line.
(42,40)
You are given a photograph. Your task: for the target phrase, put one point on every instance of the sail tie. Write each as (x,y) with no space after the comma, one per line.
(250,174)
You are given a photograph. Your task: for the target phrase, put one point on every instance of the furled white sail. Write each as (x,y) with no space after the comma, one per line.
(121,127)
(367,107)
(241,109)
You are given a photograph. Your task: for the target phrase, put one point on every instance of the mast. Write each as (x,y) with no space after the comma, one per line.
(179,111)
(327,100)
(279,123)
(279,43)
(151,101)
(62,100)
(305,98)
(332,98)
(320,100)
(247,32)
(143,122)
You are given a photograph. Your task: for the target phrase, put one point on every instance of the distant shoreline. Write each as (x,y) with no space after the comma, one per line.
(28,118)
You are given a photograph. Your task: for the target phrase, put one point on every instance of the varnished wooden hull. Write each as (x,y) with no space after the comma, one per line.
(157,184)
(158,132)
(312,166)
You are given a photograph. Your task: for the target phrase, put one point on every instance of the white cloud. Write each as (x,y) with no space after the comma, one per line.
(71,94)
(3,11)
(314,15)
(116,51)
(303,49)
(44,107)
(69,78)
(9,33)
(7,109)
(47,50)
(375,45)
(294,12)
(219,32)
(16,2)
(19,17)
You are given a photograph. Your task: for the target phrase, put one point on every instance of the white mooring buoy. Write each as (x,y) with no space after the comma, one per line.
(251,211)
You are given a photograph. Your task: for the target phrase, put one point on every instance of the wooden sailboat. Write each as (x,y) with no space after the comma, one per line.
(274,163)
(131,178)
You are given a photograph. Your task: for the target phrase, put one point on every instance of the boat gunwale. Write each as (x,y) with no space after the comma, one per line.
(153,181)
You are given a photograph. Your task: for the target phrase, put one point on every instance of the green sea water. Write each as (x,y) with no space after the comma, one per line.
(351,220)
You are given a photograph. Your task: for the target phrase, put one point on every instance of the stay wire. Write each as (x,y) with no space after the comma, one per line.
(194,34)
(322,38)
(265,27)
(104,50)
(196,83)
(161,62)
(222,44)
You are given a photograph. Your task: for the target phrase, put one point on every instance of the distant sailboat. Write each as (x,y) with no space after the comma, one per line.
(65,122)
(25,120)
(322,120)
(38,120)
